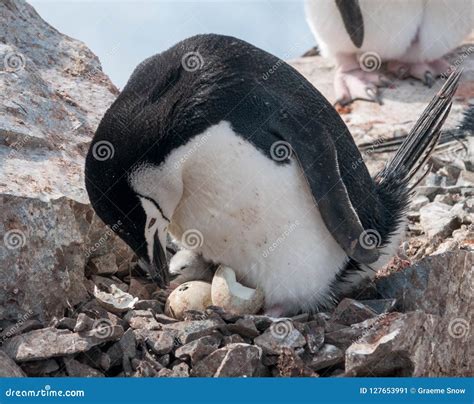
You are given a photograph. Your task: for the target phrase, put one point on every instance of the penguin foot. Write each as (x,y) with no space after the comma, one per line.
(423,71)
(357,84)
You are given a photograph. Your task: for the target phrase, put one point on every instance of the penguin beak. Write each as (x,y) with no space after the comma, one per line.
(159,266)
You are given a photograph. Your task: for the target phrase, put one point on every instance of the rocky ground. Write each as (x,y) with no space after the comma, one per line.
(414,319)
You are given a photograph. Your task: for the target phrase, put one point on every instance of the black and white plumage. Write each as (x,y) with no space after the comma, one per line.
(411,35)
(239,158)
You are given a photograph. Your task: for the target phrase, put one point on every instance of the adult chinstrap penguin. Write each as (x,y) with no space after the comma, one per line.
(250,169)
(412,36)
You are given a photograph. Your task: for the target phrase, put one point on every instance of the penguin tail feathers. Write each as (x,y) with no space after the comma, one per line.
(417,148)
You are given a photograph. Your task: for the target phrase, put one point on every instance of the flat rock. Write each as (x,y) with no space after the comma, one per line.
(161,342)
(8,368)
(328,355)
(187,331)
(198,349)
(380,306)
(142,319)
(51,342)
(314,334)
(77,369)
(244,327)
(437,220)
(281,334)
(234,360)
(350,311)
(413,344)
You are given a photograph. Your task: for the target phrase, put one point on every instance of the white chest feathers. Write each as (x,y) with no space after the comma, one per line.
(229,202)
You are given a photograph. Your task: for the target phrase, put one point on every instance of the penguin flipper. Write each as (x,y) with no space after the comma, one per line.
(317,158)
(353,20)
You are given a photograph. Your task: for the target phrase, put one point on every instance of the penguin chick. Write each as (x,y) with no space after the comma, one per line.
(186,266)
(252,170)
(411,35)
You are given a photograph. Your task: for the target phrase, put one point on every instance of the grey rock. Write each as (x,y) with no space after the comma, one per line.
(66,323)
(314,334)
(78,369)
(198,349)
(281,334)
(328,355)
(437,220)
(161,342)
(289,364)
(154,305)
(234,360)
(8,368)
(350,311)
(380,306)
(51,342)
(19,327)
(103,265)
(187,331)
(418,202)
(180,370)
(232,339)
(84,323)
(164,319)
(142,319)
(50,104)
(244,327)
(48,367)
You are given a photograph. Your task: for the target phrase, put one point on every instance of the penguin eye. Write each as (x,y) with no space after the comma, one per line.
(183,267)
(152,222)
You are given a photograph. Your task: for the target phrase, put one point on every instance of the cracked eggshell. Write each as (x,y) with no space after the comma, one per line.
(232,296)
(192,295)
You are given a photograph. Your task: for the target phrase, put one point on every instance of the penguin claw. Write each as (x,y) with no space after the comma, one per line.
(428,79)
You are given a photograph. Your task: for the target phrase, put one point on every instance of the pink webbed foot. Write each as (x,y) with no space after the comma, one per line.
(426,72)
(355,81)
(275,311)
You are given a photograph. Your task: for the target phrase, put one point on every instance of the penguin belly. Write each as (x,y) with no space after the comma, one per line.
(256,216)
(390,27)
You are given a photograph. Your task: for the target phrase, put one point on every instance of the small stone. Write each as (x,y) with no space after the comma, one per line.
(161,343)
(51,342)
(153,305)
(66,323)
(18,328)
(350,311)
(77,369)
(165,373)
(291,365)
(103,265)
(84,323)
(142,319)
(281,334)
(164,319)
(437,220)
(8,368)
(187,331)
(128,344)
(198,349)
(418,202)
(140,289)
(314,334)
(328,355)
(40,368)
(244,327)
(261,322)
(232,339)
(234,360)
(180,370)
(380,306)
